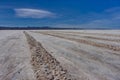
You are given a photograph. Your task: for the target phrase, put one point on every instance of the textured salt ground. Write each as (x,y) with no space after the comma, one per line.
(83,61)
(89,36)
(87,61)
(98,43)
(45,66)
(14,57)
(17,62)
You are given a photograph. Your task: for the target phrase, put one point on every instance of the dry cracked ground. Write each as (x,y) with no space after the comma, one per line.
(60,55)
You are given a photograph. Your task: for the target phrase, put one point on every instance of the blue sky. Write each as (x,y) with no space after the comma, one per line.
(61,13)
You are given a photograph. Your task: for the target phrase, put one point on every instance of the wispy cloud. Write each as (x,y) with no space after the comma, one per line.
(114,9)
(33,13)
(109,18)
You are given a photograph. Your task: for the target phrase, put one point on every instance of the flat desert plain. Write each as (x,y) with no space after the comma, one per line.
(60,55)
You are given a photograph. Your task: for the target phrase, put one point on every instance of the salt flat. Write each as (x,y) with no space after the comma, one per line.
(73,54)
(14,57)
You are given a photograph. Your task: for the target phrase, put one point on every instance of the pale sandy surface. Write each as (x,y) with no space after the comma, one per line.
(14,57)
(85,54)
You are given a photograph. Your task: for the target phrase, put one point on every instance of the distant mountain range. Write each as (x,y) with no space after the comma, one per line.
(31,28)
(50,28)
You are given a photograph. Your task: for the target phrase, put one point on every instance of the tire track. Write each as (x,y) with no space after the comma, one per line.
(97,38)
(86,36)
(88,42)
(45,66)
(101,34)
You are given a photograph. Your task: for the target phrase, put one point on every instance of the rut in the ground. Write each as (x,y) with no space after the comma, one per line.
(45,66)
(88,42)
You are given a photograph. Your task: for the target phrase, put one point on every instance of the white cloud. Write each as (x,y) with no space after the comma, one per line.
(33,13)
(107,19)
(114,9)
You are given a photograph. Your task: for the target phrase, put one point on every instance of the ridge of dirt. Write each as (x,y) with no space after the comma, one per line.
(87,37)
(102,45)
(90,37)
(101,34)
(97,38)
(45,66)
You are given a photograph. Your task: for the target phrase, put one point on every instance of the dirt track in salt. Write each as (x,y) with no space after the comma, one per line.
(60,54)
